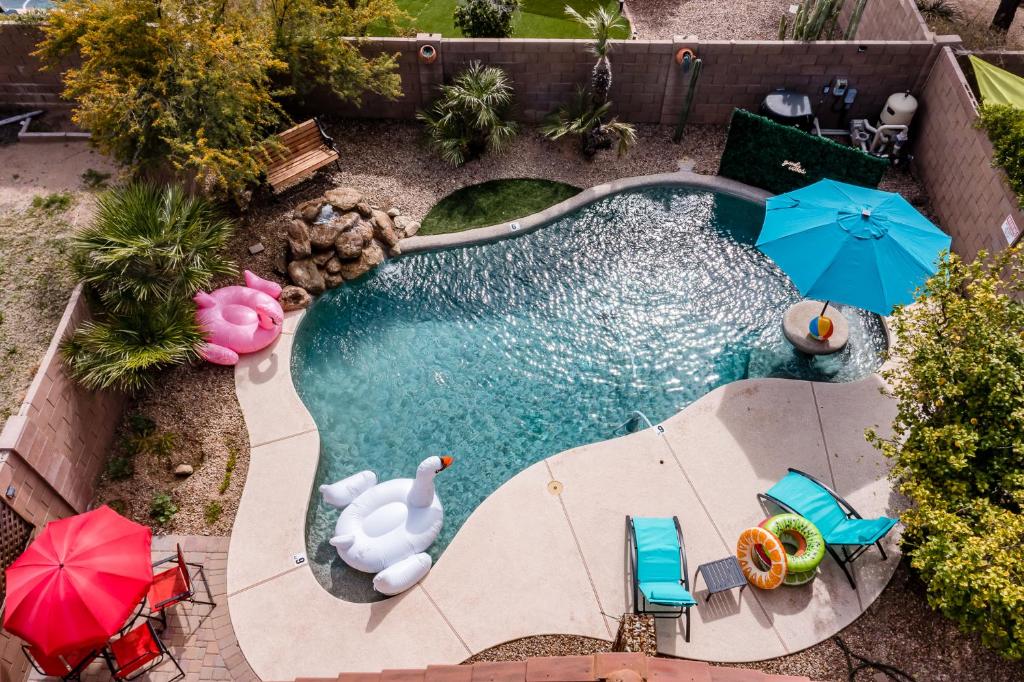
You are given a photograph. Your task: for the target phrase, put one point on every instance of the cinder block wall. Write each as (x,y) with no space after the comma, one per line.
(971,198)
(61,430)
(648,85)
(23,82)
(51,452)
(888,20)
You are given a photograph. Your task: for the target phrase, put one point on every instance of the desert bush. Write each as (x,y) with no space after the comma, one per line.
(486,18)
(471,115)
(958,443)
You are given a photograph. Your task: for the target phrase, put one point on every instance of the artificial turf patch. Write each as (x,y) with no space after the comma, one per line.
(493,202)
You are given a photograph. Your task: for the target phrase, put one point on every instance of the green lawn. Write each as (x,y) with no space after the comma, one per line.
(537,19)
(492,202)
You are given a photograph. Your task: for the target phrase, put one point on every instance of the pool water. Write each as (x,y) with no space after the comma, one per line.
(504,354)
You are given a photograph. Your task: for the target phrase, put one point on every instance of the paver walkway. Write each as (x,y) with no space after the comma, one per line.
(200,637)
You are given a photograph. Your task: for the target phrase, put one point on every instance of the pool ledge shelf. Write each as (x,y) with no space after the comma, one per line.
(796,327)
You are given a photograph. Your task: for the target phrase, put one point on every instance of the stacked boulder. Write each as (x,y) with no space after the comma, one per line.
(339,236)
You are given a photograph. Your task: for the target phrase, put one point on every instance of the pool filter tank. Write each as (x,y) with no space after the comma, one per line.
(899,110)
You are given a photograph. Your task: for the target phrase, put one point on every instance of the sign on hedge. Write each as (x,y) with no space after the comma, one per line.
(781,158)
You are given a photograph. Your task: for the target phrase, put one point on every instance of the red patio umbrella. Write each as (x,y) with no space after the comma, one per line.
(79,581)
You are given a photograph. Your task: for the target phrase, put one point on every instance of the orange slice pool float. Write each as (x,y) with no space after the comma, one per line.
(762,558)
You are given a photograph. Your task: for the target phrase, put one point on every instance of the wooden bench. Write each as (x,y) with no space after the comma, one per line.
(307,148)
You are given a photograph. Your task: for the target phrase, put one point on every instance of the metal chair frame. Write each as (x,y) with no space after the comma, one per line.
(159,610)
(640,602)
(847,557)
(164,653)
(74,672)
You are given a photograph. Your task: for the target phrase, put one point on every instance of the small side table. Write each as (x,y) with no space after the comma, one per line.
(721,575)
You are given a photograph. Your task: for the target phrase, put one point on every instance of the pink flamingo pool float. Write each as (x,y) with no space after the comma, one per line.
(238,320)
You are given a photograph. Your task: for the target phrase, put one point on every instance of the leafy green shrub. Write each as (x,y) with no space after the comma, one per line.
(1005,127)
(486,18)
(120,468)
(583,119)
(162,509)
(471,116)
(212,512)
(144,256)
(958,443)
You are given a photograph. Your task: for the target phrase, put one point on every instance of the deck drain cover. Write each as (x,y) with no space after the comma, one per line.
(555,488)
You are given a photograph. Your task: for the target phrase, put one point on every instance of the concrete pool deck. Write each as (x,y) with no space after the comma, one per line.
(546,552)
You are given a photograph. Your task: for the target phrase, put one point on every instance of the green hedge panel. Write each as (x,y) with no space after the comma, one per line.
(765,154)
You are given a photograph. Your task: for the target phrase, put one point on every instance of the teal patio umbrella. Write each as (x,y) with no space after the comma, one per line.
(862,247)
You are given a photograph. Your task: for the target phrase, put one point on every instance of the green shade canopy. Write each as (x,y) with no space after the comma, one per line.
(998,86)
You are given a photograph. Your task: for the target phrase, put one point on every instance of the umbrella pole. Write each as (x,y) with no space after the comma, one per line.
(824,308)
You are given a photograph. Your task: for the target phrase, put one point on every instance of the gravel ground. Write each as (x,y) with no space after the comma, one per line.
(898,629)
(972,25)
(400,172)
(716,20)
(198,406)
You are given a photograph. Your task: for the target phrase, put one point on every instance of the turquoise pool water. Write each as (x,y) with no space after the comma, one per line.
(501,355)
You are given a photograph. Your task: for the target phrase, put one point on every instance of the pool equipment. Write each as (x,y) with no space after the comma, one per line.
(890,135)
(789,108)
(236,320)
(802,542)
(821,328)
(385,528)
(762,558)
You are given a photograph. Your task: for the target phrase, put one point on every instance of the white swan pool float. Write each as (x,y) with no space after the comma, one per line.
(386,528)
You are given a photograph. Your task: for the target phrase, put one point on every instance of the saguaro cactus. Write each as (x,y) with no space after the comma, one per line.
(819,19)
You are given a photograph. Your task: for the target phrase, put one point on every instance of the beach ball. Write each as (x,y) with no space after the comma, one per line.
(821,328)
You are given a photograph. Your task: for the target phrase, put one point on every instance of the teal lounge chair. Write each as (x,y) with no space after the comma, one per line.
(657,558)
(839,523)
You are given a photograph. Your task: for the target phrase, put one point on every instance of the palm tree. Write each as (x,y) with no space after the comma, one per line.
(471,115)
(601,23)
(148,245)
(121,351)
(582,119)
(144,256)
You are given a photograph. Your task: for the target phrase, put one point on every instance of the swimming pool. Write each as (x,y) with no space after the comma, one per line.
(504,354)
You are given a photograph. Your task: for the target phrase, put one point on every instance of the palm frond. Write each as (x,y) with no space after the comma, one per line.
(149,245)
(471,115)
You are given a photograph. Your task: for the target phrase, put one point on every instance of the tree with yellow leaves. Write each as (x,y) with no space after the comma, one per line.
(200,85)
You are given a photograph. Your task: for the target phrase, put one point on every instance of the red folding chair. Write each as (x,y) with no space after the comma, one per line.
(66,666)
(138,652)
(175,585)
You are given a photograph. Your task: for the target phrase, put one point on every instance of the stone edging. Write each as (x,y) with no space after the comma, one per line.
(493,233)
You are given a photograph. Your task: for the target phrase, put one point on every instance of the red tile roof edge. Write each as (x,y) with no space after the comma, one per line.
(569,669)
